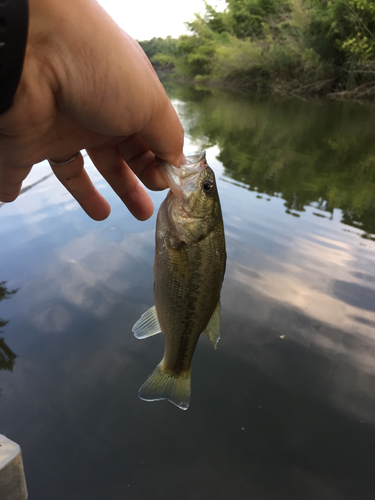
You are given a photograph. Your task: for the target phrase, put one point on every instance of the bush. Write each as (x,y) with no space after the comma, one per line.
(255,41)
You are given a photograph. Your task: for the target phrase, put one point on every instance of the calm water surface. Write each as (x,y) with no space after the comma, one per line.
(285,408)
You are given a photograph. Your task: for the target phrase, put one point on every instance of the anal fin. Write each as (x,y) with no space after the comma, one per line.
(212,329)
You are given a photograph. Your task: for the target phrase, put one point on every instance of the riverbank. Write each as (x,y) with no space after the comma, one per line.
(285,47)
(326,88)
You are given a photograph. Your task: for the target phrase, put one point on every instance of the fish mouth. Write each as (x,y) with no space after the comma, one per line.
(185,177)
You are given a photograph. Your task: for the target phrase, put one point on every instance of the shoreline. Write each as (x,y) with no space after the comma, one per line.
(323,89)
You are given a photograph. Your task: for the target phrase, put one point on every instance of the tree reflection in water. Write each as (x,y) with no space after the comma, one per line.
(307,153)
(7,356)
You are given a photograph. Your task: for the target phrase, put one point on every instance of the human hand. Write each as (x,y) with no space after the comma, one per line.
(88,85)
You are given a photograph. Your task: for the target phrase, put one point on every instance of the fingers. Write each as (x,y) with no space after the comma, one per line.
(141,160)
(76,180)
(123,181)
(11,182)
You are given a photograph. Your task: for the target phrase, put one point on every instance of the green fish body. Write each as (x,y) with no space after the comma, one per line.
(189,269)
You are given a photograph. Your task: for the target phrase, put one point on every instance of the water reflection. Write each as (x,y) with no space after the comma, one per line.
(308,153)
(30,186)
(7,356)
(283,410)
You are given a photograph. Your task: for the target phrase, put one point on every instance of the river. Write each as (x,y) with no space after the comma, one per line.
(285,407)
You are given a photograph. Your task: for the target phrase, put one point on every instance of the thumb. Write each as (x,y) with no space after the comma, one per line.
(164,134)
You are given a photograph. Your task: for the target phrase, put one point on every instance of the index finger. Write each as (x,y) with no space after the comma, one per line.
(11,179)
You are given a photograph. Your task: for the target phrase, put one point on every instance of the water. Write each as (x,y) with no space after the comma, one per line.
(285,408)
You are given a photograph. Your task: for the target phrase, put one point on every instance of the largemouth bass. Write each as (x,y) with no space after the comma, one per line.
(189,269)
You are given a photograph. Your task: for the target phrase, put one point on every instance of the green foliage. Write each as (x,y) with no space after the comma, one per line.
(196,54)
(218,22)
(160,51)
(343,31)
(359,44)
(163,60)
(265,44)
(248,16)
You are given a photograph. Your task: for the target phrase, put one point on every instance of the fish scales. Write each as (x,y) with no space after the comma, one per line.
(195,292)
(188,273)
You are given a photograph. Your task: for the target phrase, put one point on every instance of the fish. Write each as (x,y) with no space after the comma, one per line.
(190,260)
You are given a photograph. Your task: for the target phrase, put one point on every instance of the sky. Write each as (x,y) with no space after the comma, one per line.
(145,19)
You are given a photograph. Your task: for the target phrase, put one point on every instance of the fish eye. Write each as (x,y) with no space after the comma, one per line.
(208,186)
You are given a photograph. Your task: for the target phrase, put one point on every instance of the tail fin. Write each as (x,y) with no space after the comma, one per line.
(165,384)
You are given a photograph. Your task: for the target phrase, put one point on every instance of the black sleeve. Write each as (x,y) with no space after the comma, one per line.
(14,23)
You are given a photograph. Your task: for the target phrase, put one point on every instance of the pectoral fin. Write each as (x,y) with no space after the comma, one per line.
(147,325)
(212,330)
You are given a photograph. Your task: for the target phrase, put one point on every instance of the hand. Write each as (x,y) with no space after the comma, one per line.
(87,85)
